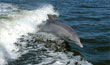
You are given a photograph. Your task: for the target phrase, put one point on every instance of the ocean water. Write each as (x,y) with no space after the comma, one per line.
(21,44)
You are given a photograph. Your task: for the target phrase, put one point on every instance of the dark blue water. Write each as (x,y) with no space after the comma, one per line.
(89,18)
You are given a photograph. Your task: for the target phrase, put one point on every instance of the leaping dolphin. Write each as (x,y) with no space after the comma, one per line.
(61,30)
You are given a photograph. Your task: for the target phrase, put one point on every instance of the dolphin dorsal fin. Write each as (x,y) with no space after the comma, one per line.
(50,18)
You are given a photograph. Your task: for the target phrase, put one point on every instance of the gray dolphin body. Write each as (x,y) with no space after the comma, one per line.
(61,30)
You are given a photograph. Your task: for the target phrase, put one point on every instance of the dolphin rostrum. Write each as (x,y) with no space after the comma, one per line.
(61,30)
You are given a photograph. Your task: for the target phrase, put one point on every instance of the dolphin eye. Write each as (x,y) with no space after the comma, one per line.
(70,39)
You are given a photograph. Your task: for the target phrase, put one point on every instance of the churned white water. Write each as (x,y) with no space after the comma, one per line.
(14,24)
(18,24)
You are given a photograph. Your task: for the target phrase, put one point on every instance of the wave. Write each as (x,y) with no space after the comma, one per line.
(17,24)
(21,45)
(42,49)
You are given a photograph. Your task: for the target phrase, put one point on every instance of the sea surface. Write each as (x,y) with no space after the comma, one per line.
(20,44)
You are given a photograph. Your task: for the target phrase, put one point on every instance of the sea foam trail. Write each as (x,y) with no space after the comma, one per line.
(17,24)
(43,50)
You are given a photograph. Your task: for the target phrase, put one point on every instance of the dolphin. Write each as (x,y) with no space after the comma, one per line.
(61,30)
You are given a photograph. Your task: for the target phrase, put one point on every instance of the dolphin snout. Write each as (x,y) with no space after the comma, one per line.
(79,44)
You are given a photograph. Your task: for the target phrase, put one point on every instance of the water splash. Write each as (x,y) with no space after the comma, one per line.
(35,52)
(17,24)
(44,50)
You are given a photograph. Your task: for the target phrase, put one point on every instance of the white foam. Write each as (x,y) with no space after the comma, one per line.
(49,56)
(6,8)
(23,22)
(18,24)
